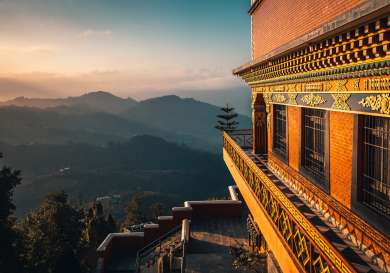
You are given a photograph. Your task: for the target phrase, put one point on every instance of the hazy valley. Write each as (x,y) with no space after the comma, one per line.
(100,145)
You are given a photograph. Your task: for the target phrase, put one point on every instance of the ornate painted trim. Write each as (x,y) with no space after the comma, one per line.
(358,103)
(313,100)
(292,99)
(379,103)
(353,85)
(341,101)
(377,84)
(250,172)
(267,100)
(279,98)
(362,232)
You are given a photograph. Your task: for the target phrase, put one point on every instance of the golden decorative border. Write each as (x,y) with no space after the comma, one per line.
(313,100)
(341,101)
(379,103)
(352,85)
(362,103)
(379,243)
(315,235)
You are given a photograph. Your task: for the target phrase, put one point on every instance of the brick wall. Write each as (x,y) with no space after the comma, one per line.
(341,145)
(294,138)
(276,22)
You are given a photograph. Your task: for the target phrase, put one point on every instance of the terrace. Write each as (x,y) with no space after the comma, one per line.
(291,217)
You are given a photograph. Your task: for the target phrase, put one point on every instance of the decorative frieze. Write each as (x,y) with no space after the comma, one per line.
(379,103)
(359,102)
(292,99)
(279,98)
(382,84)
(352,85)
(314,87)
(340,101)
(278,88)
(340,85)
(313,100)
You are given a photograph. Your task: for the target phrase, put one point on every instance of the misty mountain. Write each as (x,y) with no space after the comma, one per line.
(95,101)
(22,125)
(186,121)
(183,116)
(239,97)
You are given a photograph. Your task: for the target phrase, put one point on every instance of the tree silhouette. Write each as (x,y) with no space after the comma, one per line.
(52,237)
(134,214)
(9,179)
(226,120)
(157,209)
(96,226)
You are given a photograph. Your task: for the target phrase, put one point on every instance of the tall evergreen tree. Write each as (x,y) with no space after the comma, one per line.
(227,120)
(133,213)
(9,179)
(97,227)
(52,237)
(157,209)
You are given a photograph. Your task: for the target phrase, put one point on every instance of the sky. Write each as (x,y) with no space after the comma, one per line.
(136,48)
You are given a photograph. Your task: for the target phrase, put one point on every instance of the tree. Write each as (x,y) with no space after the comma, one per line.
(157,209)
(96,226)
(226,120)
(111,224)
(9,179)
(52,237)
(133,213)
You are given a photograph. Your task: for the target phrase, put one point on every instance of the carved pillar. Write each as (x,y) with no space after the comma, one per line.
(259,124)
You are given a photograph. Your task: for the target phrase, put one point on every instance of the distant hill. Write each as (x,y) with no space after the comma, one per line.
(95,101)
(22,125)
(183,116)
(98,118)
(144,163)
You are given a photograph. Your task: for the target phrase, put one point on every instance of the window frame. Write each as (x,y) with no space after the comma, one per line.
(278,152)
(306,171)
(361,167)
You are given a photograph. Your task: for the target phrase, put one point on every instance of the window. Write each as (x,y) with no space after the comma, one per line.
(279,136)
(375,184)
(313,144)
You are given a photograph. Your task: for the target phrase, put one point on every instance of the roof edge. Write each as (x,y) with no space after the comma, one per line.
(366,11)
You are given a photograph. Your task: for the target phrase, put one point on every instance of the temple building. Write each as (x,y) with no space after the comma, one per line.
(314,170)
(312,175)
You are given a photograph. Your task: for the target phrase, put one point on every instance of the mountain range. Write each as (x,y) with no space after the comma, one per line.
(98,144)
(94,101)
(100,117)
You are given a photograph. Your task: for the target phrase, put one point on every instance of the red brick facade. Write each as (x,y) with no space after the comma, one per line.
(341,128)
(272,21)
(294,138)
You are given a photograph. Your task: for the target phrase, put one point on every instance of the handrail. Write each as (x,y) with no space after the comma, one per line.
(242,136)
(309,246)
(149,248)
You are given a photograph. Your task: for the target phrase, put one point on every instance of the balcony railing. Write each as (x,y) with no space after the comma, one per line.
(242,137)
(310,248)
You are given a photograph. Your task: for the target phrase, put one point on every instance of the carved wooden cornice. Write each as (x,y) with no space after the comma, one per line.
(358,59)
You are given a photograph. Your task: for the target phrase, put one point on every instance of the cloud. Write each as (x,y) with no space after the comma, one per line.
(88,33)
(139,84)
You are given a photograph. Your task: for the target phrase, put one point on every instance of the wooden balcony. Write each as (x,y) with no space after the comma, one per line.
(300,239)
